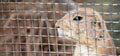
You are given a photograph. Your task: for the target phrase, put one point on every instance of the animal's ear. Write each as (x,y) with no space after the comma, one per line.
(100,27)
(102,30)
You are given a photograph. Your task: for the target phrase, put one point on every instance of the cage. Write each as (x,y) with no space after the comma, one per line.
(48,27)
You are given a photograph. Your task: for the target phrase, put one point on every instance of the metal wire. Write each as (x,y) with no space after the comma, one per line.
(20,26)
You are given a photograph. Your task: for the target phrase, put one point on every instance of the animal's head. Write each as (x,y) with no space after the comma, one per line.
(84,22)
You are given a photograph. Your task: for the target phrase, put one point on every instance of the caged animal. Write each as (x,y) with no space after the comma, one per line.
(20,21)
(86,27)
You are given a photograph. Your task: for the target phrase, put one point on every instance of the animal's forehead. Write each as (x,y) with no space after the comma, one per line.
(85,13)
(73,15)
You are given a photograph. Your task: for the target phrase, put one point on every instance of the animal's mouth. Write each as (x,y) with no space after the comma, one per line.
(61,33)
(66,33)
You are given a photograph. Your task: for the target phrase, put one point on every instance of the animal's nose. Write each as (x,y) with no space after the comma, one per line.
(57,27)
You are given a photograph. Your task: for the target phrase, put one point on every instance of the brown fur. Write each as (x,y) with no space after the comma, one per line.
(46,47)
(10,20)
(67,23)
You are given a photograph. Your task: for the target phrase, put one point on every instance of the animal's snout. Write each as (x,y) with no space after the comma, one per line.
(57,24)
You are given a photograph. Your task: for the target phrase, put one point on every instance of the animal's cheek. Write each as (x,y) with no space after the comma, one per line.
(89,25)
(69,30)
(66,30)
(73,25)
(79,32)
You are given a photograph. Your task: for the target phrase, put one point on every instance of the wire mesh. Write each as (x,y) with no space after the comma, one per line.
(27,27)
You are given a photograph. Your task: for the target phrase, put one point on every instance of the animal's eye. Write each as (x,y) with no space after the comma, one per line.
(77,18)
